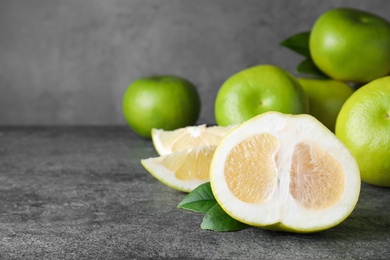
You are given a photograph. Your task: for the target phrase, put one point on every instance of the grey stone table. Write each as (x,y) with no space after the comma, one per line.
(81,193)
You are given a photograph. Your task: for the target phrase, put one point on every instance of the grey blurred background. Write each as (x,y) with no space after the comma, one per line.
(68,62)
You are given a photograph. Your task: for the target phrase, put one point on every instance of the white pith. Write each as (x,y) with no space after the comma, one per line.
(281,207)
(196,131)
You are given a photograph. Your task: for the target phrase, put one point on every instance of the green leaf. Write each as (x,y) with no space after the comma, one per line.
(307,66)
(299,43)
(217,219)
(200,200)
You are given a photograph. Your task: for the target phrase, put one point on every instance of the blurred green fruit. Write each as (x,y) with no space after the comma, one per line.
(326,97)
(162,102)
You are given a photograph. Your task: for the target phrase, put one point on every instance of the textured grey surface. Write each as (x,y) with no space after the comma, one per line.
(69,61)
(81,193)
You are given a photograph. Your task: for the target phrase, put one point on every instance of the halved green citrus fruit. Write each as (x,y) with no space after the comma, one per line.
(285,172)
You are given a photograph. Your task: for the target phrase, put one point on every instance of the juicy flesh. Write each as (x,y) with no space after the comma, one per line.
(188,140)
(251,172)
(194,136)
(192,165)
(317,179)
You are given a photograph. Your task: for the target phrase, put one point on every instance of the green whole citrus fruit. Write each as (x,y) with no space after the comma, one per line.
(326,96)
(363,124)
(351,45)
(256,90)
(163,102)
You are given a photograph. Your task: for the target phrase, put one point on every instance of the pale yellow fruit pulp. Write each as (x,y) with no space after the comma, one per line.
(183,170)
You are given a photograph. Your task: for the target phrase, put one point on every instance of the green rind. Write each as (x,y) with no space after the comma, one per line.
(162,102)
(363,125)
(256,90)
(351,45)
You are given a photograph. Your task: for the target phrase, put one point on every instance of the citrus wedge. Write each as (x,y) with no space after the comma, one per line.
(183,170)
(285,172)
(166,142)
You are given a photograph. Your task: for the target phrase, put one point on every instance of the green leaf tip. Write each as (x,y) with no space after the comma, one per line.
(200,200)
(217,219)
(298,43)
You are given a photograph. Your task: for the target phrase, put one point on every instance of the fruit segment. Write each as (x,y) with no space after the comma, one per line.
(317,180)
(250,172)
(194,164)
(183,170)
(185,138)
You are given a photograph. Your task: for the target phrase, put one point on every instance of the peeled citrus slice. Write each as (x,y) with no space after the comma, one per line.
(285,172)
(183,170)
(181,139)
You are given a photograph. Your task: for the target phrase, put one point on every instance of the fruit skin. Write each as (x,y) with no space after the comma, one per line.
(363,125)
(351,45)
(256,90)
(326,98)
(163,102)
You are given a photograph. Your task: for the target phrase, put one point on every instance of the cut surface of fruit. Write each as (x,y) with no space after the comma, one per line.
(183,170)
(185,138)
(285,172)
(317,180)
